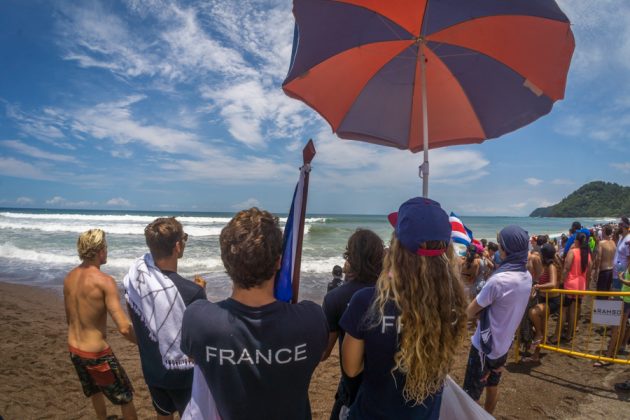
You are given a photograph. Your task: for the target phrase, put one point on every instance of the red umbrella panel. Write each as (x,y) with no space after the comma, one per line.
(491,67)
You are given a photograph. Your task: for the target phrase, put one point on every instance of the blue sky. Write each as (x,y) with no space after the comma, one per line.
(167,105)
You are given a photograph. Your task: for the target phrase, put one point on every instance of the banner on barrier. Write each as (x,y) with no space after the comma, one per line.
(607,312)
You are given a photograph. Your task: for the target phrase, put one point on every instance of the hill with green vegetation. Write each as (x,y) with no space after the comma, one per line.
(595,199)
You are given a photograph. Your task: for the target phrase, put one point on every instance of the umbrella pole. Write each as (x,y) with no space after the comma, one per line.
(424,168)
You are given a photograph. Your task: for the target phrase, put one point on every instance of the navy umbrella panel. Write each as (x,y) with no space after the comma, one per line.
(490,67)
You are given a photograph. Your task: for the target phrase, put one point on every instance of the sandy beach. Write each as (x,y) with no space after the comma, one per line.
(39,382)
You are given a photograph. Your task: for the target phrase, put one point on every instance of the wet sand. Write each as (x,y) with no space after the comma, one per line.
(37,380)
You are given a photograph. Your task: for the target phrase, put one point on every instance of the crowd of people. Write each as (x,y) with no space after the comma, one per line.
(398,314)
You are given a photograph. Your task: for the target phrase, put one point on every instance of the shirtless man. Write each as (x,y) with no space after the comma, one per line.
(604,261)
(89,295)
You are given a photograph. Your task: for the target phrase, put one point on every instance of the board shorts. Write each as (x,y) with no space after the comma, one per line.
(474,381)
(101,372)
(168,401)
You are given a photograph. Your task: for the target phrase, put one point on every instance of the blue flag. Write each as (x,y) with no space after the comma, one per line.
(283,288)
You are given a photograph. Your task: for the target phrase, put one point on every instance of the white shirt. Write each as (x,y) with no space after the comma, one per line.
(621,255)
(507,294)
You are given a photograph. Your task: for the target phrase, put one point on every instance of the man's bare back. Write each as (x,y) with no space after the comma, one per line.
(606,254)
(88,296)
(86,290)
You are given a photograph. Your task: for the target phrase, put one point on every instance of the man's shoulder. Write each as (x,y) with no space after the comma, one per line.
(343,294)
(186,288)
(307,307)
(202,306)
(335,293)
(509,277)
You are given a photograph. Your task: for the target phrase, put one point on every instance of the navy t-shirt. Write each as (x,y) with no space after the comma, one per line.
(257,362)
(381,395)
(155,374)
(335,304)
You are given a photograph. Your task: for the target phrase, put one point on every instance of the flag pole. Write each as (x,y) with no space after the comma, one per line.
(424,168)
(308,153)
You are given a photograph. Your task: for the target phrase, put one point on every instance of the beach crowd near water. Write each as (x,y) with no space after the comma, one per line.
(396,312)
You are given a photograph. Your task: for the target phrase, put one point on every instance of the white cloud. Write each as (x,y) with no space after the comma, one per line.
(236,49)
(24,201)
(115,121)
(352,164)
(623,167)
(545,203)
(118,202)
(173,48)
(48,126)
(121,153)
(250,202)
(533,181)
(519,205)
(19,169)
(229,170)
(34,152)
(58,201)
(570,126)
(602,42)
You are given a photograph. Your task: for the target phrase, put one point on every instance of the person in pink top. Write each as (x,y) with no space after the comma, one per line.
(577,267)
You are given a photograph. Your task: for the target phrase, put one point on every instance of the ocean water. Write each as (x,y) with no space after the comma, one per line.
(38,247)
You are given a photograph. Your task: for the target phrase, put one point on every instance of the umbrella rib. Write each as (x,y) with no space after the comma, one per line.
(388,26)
(483,129)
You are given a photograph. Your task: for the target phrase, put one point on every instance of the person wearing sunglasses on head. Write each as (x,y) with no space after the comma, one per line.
(157,297)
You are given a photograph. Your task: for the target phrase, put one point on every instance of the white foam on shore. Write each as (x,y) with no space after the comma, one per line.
(130,218)
(116,224)
(9,251)
(112,229)
(12,252)
(323,265)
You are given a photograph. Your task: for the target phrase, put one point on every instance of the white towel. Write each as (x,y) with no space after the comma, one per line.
(456,404)
(156,300)
(201,405)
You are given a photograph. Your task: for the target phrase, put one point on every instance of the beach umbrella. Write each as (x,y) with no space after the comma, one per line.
(421,74)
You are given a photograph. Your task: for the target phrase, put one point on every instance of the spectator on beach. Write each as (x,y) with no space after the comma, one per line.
(575,275)
(561,244)
(547,303)
(618,333)
(534,264)
(364,255)
(157,297)
(576,228)
(622,252)
(403,334)
(493,253)
(500,307)
(470,271)
(89,295)
(255,354)
(604,262)
(624,278)
(337,278)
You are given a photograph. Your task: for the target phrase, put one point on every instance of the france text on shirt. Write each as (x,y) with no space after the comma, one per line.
(256,356)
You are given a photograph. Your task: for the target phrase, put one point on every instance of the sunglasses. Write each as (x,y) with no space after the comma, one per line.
(184,237)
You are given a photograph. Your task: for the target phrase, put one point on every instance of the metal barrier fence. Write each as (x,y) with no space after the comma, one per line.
(607,313)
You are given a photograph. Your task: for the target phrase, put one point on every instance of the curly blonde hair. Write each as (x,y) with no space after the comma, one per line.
(429,296)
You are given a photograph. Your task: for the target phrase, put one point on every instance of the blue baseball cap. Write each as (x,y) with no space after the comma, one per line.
(419,220)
